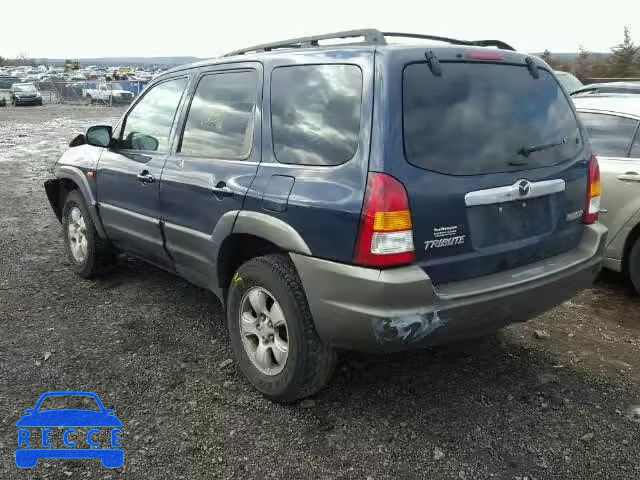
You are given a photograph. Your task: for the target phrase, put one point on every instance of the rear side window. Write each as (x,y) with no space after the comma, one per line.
(315,113)
(610,135)
(220,119)
(475,118)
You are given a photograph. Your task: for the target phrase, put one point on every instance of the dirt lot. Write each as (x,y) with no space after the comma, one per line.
(151,346)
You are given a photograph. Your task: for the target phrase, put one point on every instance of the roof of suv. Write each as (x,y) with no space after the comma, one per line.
(372,40)
(628,104)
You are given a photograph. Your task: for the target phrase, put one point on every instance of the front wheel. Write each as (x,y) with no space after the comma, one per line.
(87,252)
(633,265)
(272,333)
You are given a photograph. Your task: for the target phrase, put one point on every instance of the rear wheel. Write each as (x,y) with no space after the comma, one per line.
(272,333)
(633,265)
(88,254)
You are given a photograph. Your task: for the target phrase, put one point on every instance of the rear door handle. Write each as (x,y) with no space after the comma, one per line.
(146,178)
(630,177)
(221,190)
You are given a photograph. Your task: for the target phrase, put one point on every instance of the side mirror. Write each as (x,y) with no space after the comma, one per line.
(109,411)
(141,141)
(29,410)
(99,136)
(79,140)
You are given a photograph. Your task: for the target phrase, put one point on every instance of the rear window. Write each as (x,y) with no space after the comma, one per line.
(475,118)
(315,113)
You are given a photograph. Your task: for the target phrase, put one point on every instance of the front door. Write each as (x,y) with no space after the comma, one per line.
(128,175)
(611,137)
(215,161)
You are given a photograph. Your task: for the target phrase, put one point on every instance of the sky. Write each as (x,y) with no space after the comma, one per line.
(74,29)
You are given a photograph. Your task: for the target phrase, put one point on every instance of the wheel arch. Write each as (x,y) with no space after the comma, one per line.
(633,236)
(72,178)
(254,234)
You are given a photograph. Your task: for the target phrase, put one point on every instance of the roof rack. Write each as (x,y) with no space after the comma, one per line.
(453,41)
(371,37)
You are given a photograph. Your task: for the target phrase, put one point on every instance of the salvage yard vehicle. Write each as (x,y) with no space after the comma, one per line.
(108,93)
(607,87)
(453,195)
(568,81)
(25,94)
(613,124)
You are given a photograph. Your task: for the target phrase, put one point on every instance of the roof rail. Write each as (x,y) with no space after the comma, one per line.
(453,41)
(371,37)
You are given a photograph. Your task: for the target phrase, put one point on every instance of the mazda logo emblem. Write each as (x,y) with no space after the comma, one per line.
(524,187)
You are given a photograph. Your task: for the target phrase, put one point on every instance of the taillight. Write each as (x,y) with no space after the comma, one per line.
(594,190)
(386,235)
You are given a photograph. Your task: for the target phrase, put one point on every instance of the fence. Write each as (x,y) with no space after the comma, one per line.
(107,93)
(87,92)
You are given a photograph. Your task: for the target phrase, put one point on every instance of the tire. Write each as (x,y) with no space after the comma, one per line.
(309,362)
(91,101)
(633,265)
(98,253)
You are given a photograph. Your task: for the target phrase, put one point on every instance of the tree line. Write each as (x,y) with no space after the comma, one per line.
(622,62)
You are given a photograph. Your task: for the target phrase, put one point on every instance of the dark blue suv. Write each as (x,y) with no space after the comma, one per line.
(363,196)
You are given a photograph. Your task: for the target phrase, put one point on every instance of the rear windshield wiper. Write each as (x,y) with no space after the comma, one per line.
(526,151)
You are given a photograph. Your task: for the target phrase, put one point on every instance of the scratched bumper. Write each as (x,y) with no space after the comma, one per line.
(357,308)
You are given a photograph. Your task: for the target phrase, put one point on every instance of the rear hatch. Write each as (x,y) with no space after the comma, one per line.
(494,163)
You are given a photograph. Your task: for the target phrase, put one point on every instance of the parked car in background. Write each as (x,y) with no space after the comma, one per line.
(330,211)
(609,87)
(612,123)
(25,94)
(108,93)
(568,81)
(6,81)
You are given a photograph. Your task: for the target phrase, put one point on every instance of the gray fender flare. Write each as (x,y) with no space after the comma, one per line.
(272,229)
(76,176)
(257,224)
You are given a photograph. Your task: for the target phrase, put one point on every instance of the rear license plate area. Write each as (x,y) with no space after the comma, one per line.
(509,221)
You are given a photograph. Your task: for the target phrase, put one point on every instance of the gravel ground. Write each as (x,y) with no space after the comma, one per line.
(153,347)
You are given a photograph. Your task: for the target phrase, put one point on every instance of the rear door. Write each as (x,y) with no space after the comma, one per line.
(494,163)
(129,171)
(213,165)
(611,140)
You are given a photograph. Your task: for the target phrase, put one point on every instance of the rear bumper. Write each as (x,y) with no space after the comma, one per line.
(365,309)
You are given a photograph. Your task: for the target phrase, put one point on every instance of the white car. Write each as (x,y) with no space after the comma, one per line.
(613,125)
(108,93)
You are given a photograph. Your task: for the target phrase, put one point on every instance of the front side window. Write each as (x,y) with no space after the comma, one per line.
(148,126)
(315,113)
(220,119)
(610,135)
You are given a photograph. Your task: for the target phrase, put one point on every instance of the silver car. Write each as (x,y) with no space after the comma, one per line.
(612,122)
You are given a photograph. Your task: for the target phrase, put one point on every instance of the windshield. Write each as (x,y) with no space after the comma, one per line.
(569,82)
(77,402)
(24,88)
(481,118)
